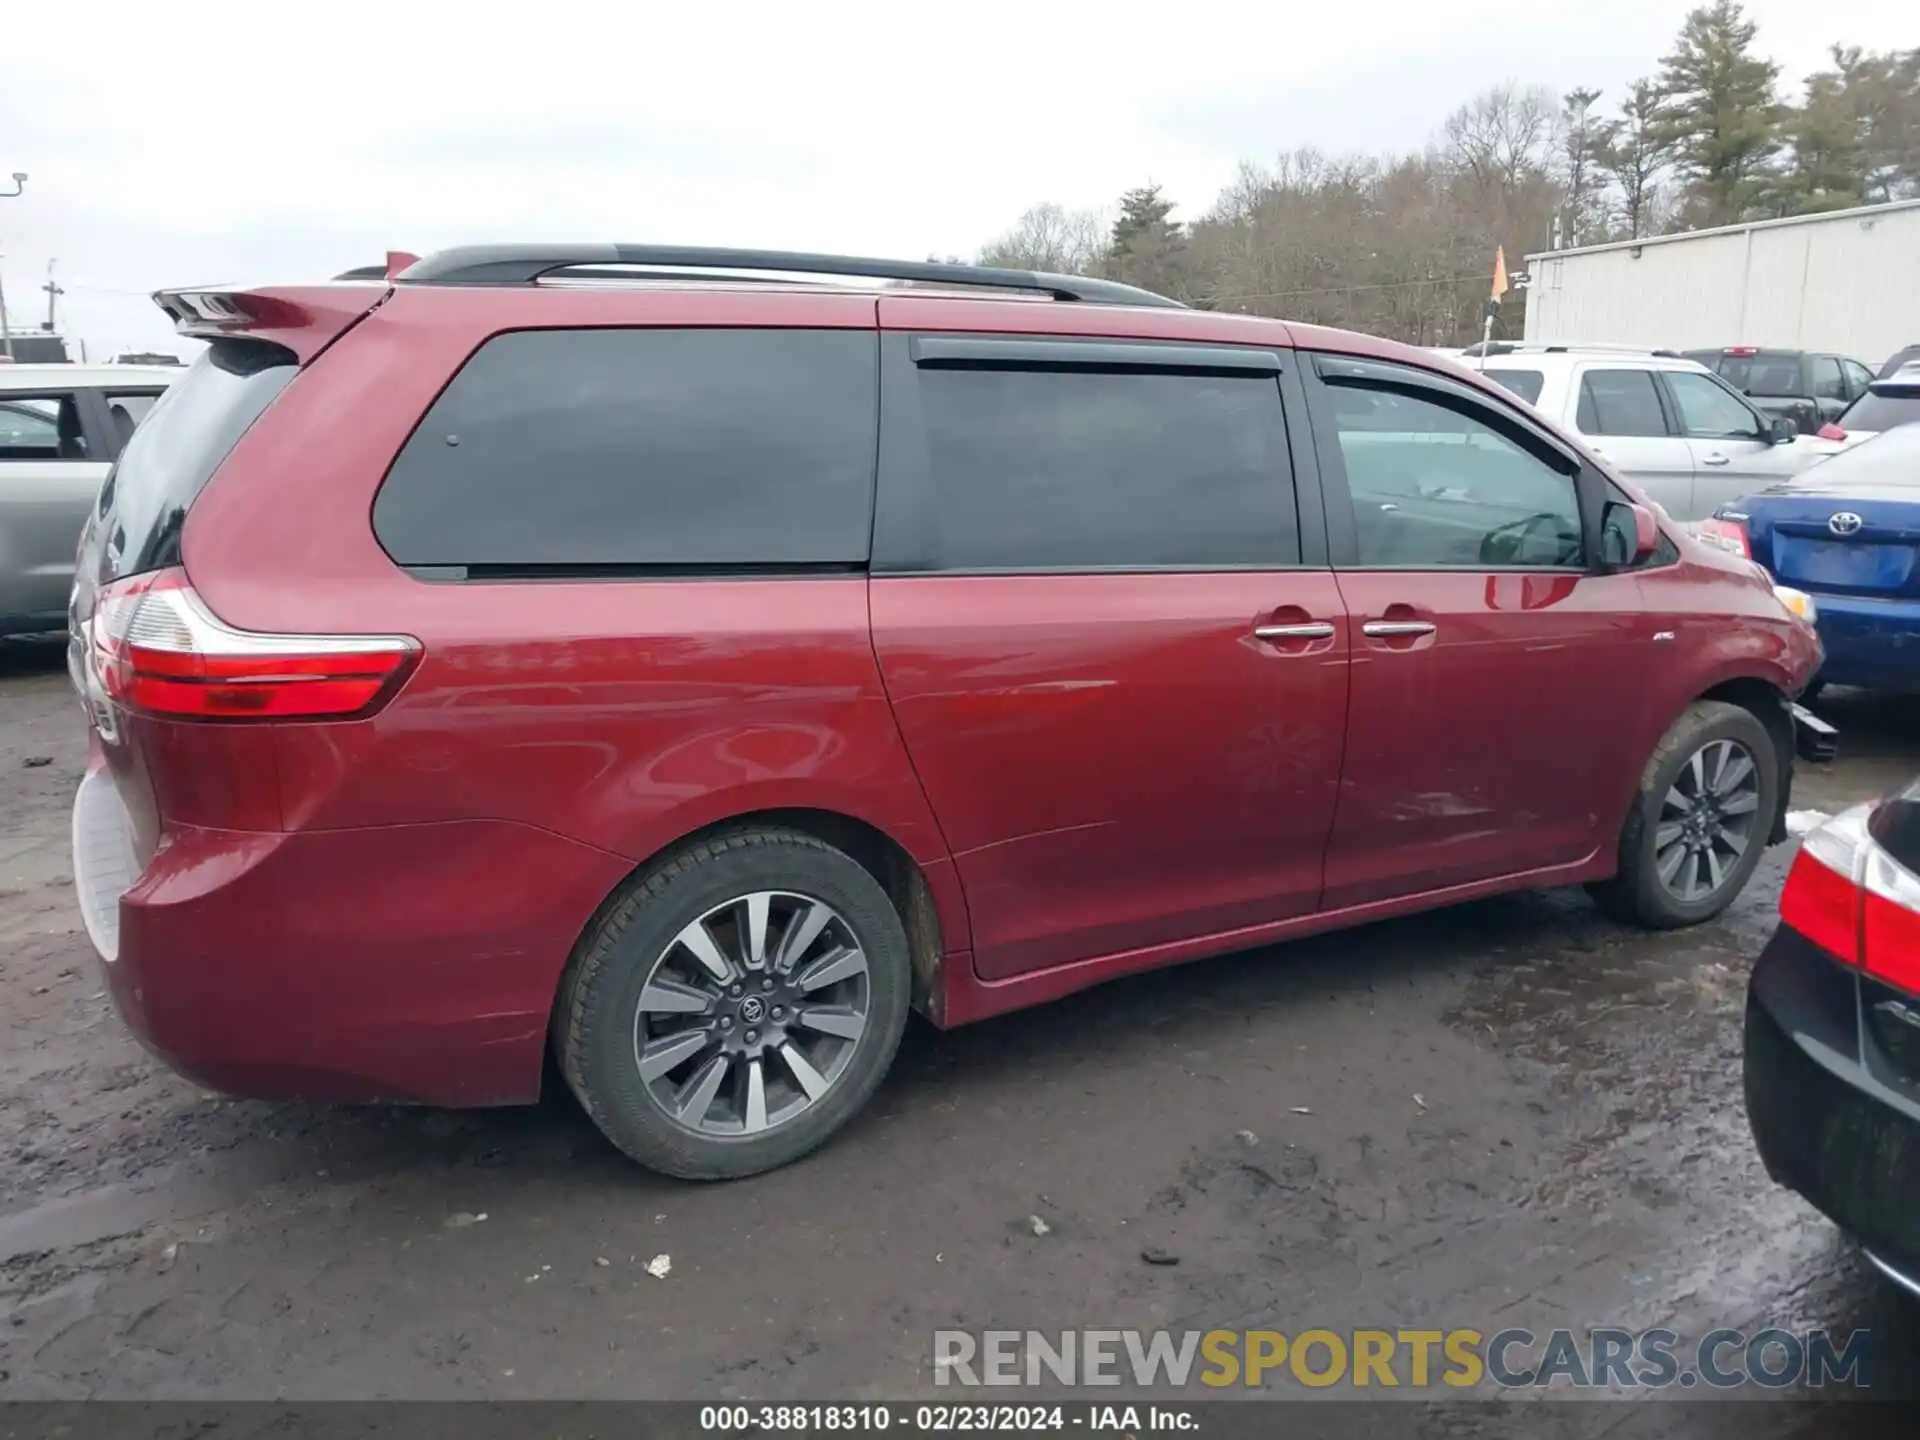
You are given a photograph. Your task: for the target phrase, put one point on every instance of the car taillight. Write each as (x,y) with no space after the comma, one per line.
(1831,431)
(1850,897)
(1741,350)
(155,647)
(1726,535)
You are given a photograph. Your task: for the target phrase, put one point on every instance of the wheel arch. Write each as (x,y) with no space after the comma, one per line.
(1764,699)
(880,854)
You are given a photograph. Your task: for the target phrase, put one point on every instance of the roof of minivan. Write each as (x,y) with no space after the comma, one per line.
(306,317)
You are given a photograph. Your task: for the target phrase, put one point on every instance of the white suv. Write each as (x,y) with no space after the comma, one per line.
(1681,433)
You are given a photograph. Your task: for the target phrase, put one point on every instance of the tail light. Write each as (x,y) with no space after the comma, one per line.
(1741,350)
(1831,431)
(1850,897)
(1726,535)
(155,647)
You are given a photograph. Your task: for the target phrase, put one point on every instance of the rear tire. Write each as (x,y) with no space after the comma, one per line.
(1699,821)
(693,1038)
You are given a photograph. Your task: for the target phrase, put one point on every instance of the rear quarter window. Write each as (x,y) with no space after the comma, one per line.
(177,446)
(675,450)
(1527,384)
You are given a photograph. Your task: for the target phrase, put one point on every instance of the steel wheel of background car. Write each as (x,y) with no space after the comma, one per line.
(736,1005)
(1706,803)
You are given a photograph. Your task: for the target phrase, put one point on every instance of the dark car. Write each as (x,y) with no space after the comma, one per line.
(1833,1031)
(686,677)
(1846,532)
(34,347)
(1807,387)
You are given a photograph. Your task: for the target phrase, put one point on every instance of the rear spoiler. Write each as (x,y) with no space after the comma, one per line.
(396,261)
(304,319)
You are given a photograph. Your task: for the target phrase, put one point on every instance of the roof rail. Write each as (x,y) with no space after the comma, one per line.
(1563,347)
(524,264)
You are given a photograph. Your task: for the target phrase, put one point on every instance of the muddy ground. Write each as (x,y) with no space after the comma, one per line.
(1512,1113)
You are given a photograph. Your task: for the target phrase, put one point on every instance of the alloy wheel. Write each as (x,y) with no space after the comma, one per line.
(751,1014)
(1707,820)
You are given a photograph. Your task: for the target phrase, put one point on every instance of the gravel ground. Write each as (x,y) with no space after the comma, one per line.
(1510,1113)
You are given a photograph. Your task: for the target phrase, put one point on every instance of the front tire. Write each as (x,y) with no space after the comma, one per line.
(736,1006)
(1699,821)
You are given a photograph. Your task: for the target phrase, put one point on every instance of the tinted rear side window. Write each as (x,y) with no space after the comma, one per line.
(1090,469)
(672,449)
(1527,384)
(178,445)
(1619,402)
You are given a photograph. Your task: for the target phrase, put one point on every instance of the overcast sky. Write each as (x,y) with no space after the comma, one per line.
(189,142)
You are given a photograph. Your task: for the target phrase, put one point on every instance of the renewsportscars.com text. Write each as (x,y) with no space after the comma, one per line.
(1599,1358)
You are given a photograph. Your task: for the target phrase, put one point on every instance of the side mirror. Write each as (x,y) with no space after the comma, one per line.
(1782,430)
(1629,534)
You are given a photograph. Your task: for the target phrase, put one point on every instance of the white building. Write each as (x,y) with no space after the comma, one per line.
(1846,282)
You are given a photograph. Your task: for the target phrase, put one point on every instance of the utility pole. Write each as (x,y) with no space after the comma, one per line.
(6,334)
(54,292)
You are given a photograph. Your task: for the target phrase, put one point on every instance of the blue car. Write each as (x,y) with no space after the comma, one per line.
(1847,532)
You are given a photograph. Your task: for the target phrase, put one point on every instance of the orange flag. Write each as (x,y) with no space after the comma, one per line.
(1499,272)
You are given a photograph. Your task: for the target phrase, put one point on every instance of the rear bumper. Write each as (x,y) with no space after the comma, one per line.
(1829,1119)
(400,963)
(1873,643)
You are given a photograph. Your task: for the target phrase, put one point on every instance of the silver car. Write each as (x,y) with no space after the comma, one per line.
(1678,431)
(61,426)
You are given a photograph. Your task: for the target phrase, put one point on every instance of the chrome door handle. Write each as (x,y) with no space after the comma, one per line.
(1715,460)
(1312,630)
(1387,629)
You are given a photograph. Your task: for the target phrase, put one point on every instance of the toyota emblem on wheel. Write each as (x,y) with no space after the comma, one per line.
(1845,523)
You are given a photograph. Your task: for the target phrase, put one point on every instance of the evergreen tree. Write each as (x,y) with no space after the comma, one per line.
(1827,165)
(1719,114)
(1886,95)
(1148,245)
(1578,144)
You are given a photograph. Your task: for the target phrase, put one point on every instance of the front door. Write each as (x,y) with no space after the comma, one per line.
(1734,453)
(1494,698)
(1120,674)
(51,465)
(1620,411)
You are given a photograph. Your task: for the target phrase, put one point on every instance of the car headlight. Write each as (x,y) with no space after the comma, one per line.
(1797,602)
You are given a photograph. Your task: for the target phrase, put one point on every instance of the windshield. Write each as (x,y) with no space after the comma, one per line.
(1524,383)
(1763,374)
(1881,410)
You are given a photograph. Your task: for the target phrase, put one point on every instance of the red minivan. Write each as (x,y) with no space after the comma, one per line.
(614,649)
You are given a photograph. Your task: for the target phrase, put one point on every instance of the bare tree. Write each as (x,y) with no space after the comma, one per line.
(1634,153)
(1052,238)
(1503,134)
(1403,245)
